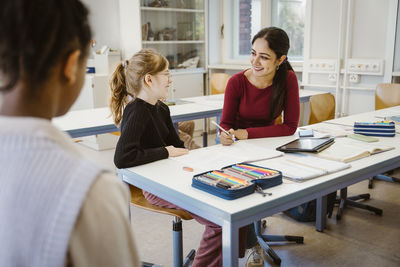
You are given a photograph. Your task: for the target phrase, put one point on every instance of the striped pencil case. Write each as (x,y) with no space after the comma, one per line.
(386,129)
(237,180)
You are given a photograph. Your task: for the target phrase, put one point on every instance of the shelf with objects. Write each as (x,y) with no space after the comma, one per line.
(176,28)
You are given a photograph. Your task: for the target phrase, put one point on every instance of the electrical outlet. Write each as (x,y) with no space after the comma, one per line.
(354,78)
(321,65)
(332,77)
(365,66)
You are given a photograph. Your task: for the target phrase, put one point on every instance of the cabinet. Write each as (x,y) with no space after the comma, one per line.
(175,28)
(95,92)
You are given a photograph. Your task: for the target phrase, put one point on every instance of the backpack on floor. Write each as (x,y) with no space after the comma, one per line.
(306,212)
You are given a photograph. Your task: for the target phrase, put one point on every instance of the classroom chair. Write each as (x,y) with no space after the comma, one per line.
(322,107)
(386,95)
(218,83)
(138,200)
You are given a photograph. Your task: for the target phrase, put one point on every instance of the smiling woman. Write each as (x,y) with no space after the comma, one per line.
(254,98)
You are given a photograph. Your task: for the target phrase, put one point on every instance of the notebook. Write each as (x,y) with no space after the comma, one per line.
(307,145)
(300,167)
(346,150)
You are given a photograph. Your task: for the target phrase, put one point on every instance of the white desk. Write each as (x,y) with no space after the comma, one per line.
(167,180)
(373,116)
(99,121)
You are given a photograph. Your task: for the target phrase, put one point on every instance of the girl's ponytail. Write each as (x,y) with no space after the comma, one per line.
(119,93)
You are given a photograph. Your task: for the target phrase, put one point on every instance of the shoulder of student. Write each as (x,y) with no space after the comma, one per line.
(134,110)
(109,186)
(103,226)
(237,76)
(291,76)
(161,105)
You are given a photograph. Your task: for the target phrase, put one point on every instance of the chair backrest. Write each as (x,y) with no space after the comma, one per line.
(219,82)
(279,120)
(387,95)
(322,108)
(138,200)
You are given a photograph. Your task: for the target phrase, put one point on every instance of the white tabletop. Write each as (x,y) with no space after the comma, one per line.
(97,121)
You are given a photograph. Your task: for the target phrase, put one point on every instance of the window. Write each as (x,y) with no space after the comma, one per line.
(290,16)
(244,18)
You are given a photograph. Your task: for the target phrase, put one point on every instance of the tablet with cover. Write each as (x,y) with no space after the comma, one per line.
(307,145)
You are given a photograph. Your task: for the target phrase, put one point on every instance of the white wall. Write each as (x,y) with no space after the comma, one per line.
(104,20)
(343,32)
(214,24)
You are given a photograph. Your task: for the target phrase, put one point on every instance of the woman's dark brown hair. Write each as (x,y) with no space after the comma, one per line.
(278,42)
(35,35)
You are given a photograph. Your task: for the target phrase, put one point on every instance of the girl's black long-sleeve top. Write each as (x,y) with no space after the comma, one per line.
(146,130)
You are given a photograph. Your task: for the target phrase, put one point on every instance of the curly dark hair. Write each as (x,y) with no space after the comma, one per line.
(35,35)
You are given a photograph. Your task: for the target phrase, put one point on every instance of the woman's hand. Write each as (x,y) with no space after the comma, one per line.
(241,134)
(226,139)
(176,151)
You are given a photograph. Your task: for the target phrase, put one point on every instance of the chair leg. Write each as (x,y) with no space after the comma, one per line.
(387,178)
(371,182)
(344,201)
(364,206)
(178,245)
(263,239)
(189,258)
(148,264)
(177,241)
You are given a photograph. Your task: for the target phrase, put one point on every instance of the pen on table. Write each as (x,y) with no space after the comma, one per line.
(225,131)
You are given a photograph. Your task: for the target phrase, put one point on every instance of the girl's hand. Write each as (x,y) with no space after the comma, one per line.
(226,139)
(241,134)
(176,151)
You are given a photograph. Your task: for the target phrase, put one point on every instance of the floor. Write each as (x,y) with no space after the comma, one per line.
(361,238)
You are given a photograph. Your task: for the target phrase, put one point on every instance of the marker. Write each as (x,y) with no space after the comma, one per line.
(225,131)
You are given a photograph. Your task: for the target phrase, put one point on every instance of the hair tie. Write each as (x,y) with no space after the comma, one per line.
(125,63)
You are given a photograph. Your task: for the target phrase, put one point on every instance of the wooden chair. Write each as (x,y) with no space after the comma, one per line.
(322,108)
(219,82)
(218,85)
(138,200)
(386,95)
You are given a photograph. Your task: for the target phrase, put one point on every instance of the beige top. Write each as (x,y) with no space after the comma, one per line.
(102,235)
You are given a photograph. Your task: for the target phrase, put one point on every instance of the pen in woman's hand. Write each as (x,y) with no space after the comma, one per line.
(225,131)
